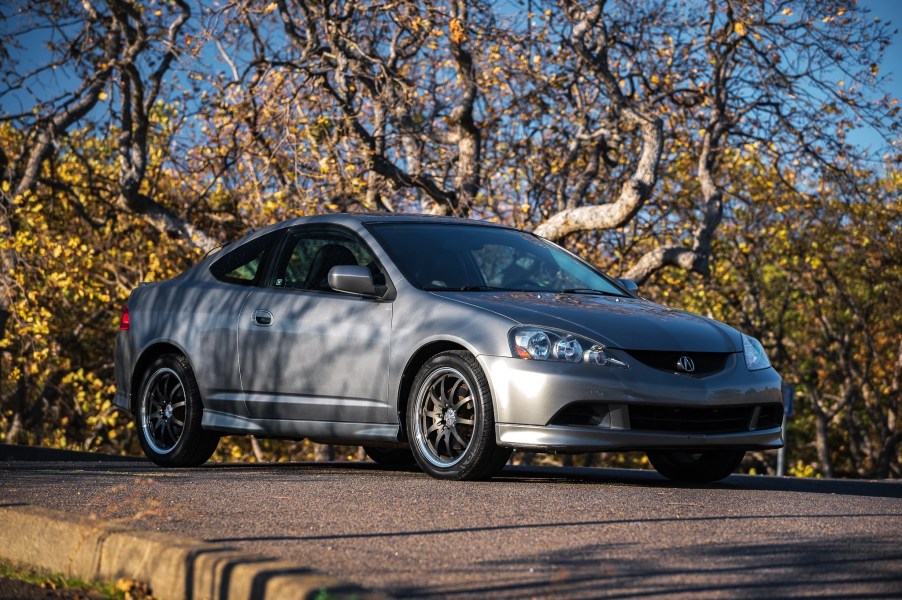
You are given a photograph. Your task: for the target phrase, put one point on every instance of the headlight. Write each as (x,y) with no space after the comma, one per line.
(532,343)
(755,356)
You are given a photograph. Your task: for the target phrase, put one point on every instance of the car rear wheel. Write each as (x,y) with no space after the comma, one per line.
(450,419)
(695,466)
(391,457)
(168,415)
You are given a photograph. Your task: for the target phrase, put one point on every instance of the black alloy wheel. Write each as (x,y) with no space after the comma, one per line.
(168,415)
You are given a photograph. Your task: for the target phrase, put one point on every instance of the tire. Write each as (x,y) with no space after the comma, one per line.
(450,420)
(168,415)
(391,457)
(695,466)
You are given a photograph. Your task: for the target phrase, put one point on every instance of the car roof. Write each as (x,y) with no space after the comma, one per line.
(356,219)
(362,218)
(392,217)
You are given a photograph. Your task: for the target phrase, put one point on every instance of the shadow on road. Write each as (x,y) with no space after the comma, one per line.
(842,567)
(577,475)
(501,529)
(722,559)
(25,458)
(845,487)
(18,453)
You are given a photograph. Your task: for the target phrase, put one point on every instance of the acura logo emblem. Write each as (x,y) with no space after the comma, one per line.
(686,364)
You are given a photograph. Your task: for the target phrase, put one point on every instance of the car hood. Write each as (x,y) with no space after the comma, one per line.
(628,323)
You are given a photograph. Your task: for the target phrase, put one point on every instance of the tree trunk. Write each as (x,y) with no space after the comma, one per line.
(632,196)
(822,431)
(257,450)
(888,459)
(469,141)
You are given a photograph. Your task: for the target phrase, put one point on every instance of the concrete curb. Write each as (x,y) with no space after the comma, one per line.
(174,567)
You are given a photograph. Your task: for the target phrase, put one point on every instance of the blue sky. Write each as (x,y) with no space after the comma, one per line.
(891,69)
(886,10)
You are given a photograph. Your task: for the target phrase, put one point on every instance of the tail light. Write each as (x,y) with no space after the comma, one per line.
(123,321)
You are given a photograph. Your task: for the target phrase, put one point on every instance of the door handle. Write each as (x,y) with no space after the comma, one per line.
(263,318)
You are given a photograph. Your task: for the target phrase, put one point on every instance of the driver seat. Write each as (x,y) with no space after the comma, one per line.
(328,256)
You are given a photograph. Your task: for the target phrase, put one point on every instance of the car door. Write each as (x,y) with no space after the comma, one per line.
(308,353)
(204,316)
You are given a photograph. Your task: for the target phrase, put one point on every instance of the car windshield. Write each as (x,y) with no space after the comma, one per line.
(450,257)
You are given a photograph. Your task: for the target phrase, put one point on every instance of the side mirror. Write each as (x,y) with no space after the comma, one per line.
(352,279)
(629,284)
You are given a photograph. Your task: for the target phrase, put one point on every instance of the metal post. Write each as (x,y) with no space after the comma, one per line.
(788,394)
(781,453)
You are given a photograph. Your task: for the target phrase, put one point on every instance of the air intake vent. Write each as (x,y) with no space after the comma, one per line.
(720,419)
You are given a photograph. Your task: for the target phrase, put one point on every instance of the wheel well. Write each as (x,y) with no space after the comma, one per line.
(410,372)
(150,355)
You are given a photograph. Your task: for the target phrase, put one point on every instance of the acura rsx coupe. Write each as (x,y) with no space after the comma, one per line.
(442,342)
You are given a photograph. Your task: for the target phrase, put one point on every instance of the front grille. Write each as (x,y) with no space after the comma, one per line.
(706,363)
(719,419)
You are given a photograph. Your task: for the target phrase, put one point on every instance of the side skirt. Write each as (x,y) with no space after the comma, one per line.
(326,431)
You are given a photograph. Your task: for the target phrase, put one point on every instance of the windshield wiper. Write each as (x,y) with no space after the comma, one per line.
(485,288)
(591,291)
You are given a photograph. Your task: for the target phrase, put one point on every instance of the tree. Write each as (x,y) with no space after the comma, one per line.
(819,282)
(735,73)
(647,137)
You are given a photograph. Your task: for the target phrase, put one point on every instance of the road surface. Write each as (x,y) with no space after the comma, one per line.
(529,533)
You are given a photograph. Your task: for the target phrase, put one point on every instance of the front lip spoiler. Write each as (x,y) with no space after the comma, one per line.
(561,438)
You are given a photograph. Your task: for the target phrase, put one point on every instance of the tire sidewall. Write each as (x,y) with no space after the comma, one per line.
(184,447)
(481,437)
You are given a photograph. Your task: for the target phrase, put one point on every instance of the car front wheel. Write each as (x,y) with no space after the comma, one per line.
(450,419)
(168,415)
(691,466)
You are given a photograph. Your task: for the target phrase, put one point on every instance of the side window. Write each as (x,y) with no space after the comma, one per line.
(242,265)
(307,258)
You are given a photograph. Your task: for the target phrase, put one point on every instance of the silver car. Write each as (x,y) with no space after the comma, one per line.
(444,342)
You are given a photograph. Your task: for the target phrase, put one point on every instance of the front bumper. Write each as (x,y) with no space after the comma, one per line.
(555,438)
(529,397)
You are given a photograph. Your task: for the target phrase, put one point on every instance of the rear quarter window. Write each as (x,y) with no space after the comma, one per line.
(241,265)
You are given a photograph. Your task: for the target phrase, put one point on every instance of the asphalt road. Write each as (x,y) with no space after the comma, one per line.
(529,533)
